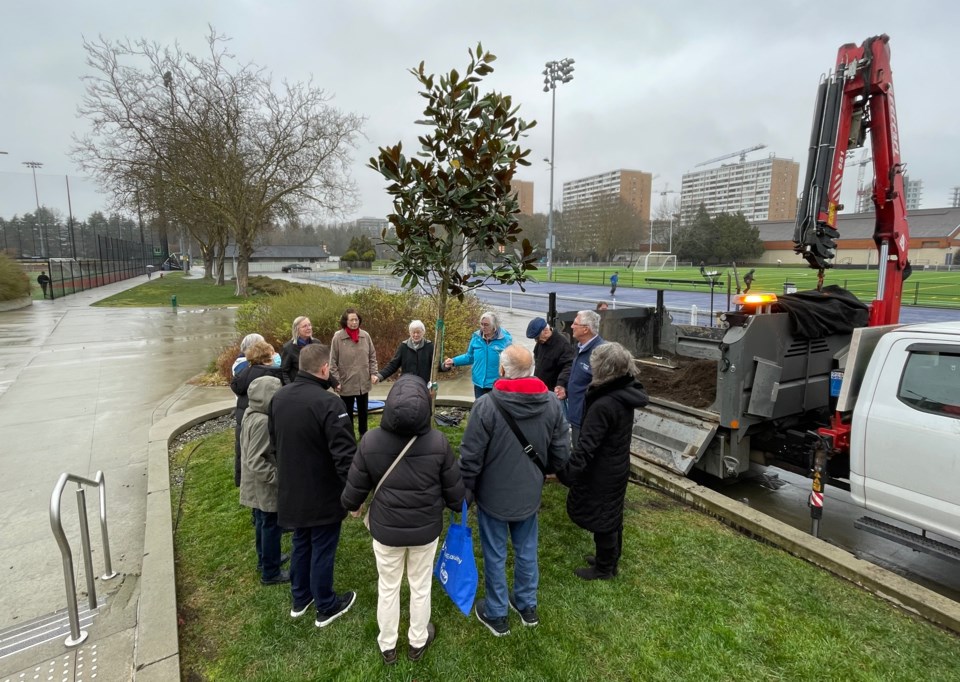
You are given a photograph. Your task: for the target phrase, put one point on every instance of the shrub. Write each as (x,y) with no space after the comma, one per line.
(14,282)
(368,256)
(386,317)
(350,255)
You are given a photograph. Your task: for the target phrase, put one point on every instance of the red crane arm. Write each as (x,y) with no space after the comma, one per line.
(858,98)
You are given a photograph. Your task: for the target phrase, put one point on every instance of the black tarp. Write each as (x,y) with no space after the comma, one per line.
(815,314)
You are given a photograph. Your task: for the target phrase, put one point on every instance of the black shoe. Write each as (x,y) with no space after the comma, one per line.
(528,617)
(298,611)
(498,626)
(279,579)
(592,573)
(592,561)
(389,657)
(415,653)
(344,602)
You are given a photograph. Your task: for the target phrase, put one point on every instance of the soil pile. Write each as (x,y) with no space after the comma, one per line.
(692,383)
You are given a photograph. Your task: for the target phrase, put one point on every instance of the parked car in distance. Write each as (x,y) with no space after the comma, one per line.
(295,267)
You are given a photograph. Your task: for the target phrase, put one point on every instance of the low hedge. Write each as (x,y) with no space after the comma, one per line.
(386,317)
(14,282)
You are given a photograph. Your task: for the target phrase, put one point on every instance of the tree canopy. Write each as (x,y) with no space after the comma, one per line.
(211,141)
(453,197)
(721,239)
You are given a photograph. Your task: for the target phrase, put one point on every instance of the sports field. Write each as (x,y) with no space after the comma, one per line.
(930,288)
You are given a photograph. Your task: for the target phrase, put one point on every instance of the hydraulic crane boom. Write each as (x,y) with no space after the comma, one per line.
(857,98)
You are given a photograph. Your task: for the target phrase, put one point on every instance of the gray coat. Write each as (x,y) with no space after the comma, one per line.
(505,483)
(258,461)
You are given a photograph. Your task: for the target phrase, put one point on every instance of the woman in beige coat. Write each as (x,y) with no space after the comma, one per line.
(353,362)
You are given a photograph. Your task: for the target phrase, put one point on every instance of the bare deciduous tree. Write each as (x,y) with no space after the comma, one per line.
(209,139)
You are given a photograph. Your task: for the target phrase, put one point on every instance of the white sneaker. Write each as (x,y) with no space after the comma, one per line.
(296,613)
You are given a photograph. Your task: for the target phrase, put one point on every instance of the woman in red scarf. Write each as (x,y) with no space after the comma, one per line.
(353,361)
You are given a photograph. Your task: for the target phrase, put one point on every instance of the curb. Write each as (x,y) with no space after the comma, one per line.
(879,581)
(156,648)
(16,304)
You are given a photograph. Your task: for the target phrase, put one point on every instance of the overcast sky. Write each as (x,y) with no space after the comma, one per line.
(658,87)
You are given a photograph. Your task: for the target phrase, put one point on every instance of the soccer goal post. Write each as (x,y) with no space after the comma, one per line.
(657,260)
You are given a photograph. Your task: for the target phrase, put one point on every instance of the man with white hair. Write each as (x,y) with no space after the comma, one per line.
(586,332)
(516,435)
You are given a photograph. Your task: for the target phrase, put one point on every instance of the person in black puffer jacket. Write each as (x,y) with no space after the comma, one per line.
(262,361)
(406,514)
(599,468)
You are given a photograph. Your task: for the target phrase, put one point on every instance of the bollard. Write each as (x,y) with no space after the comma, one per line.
(173,302)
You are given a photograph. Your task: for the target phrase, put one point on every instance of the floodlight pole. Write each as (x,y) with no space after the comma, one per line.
(555,72)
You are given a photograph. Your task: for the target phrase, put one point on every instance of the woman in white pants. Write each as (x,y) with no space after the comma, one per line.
(406,512)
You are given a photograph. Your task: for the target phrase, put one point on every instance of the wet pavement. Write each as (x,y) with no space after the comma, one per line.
(783,495)
(79,389)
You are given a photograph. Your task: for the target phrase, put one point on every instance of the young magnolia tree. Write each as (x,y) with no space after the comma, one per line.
(454,196)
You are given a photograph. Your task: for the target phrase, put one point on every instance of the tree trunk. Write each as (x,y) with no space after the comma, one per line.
(206,255)
(244,251)
(221,254)
(438,341)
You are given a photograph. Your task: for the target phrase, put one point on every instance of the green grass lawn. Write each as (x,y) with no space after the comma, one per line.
(694,600)
(189,292)
(940,289)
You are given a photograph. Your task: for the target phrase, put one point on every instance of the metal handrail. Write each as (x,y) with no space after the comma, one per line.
(76,635)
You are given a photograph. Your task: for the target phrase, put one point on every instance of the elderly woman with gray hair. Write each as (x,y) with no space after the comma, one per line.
(599,467)
(483,352)
(301,335)
(414,355)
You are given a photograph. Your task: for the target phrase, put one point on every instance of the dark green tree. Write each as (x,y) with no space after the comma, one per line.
(453,197)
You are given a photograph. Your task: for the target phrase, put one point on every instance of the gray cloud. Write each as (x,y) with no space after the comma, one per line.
(657,87)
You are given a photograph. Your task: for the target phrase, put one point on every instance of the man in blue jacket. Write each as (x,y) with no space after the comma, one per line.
(586,332)
(483,352)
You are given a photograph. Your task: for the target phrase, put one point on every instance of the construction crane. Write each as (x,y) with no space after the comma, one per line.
(863,192)
(741,153)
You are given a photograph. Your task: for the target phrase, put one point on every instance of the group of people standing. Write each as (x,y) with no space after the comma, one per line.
(564,409)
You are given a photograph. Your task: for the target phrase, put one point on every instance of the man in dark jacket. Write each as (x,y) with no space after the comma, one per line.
(552,355)
(313,438)
(599,469)
(507,483)
(406,513)
(586,330)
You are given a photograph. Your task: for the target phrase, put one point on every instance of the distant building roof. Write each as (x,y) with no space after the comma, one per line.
(282,252)
(927,223)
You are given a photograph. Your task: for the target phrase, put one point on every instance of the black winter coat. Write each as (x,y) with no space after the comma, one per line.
(290,361)
(599,468)
(552,361)
(241,383)
(416,362)
(313,437)
(407,511)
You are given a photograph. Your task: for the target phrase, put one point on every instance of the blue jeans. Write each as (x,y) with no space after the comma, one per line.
(268,543)
(479,391)
(526,570)
(311,566)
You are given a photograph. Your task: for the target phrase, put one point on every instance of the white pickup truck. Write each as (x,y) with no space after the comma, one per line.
(902,384)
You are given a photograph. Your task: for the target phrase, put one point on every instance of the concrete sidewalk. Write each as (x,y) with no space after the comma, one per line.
(80,388)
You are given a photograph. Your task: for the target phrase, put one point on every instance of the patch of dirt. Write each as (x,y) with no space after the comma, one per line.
(692,383)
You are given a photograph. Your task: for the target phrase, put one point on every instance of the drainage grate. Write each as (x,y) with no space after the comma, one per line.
(44,629)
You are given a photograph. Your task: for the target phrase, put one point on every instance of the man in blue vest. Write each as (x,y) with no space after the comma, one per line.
(586,332)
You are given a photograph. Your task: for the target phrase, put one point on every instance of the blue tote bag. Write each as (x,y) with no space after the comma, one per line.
(456,568)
